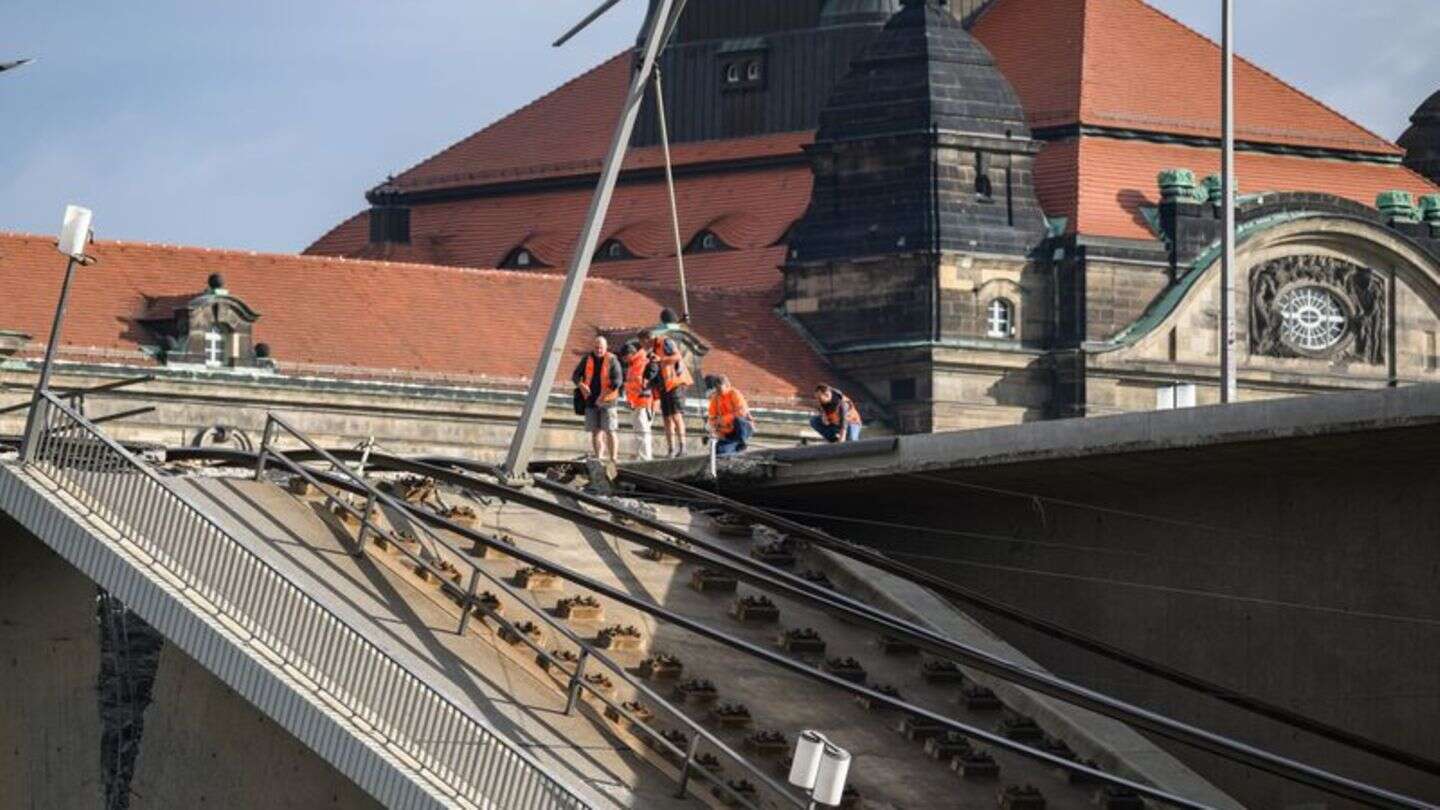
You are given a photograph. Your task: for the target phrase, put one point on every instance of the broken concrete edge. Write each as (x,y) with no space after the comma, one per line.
(1114,745)
(210,642)
(1148,431)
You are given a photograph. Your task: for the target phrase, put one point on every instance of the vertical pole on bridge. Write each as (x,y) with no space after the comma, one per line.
(657,30)
(1229,390)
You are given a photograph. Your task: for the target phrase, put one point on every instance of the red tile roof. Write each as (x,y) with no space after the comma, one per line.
(377,320)
(567,133)
(749,210)
(1124,64)
(1100,184)
(1109,63)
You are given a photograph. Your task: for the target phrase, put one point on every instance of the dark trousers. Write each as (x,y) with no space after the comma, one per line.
(735,441)
(831,433)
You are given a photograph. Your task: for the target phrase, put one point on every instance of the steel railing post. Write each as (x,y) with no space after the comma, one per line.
(685,767)
(468,606)
(365,524)
(573,693)
(264,447)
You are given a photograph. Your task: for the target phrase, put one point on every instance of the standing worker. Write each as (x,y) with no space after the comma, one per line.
(674,379)
(839,419)
(599,379)
(641,376)
(729,421)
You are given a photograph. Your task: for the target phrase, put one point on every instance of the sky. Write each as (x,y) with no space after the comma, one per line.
(259,124)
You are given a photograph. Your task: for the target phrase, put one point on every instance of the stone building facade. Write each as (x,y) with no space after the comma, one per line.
(976,213)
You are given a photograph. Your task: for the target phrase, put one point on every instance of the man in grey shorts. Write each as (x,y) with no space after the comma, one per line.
(599,379)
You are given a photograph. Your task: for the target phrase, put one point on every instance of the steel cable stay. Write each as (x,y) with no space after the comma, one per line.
(978,659)
(976,599)
(891,554)
(241,458)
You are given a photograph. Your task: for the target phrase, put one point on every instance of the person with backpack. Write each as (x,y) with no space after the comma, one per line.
(839,419)
(674,380)
(642,374)
(598,380)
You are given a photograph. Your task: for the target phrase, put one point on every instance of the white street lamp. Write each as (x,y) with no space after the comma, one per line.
(4,66)
(75,234)
(820,767)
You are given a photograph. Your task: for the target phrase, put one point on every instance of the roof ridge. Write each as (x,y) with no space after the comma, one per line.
(366,264)
(1283,83)
(515,112)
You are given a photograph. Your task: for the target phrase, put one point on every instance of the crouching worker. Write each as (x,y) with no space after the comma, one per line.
(729,421)
(598,378)
(839,419)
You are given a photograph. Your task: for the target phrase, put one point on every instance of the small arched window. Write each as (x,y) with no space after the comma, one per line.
(613,251)
(1000,319)
(214,347)
(753,71)
(732,73)
(706,242)
(522,258)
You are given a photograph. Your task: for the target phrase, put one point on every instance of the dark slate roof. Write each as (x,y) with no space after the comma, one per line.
(1421,141)
(923,70)
(849,12)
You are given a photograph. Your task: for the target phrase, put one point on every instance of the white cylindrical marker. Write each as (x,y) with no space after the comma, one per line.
(830,781)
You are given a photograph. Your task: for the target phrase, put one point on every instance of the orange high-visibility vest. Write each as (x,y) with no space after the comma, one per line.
(673,372)
(637,393)
(725,408)
(608,393)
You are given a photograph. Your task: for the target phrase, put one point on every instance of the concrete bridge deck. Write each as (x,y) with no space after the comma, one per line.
(1286,548)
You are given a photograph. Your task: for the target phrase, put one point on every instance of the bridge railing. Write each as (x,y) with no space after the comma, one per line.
(683,752)
(449,746)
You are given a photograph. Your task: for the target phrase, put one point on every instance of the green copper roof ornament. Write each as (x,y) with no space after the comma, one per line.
(1430,208)
(1397,206)
(1211,185)
(1177,185)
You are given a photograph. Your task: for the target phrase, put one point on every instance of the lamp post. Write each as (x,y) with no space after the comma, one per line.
(4,66)
(1229,390)
(820,767)
(74,236)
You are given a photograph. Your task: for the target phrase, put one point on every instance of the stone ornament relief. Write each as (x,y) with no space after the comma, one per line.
(1317,307)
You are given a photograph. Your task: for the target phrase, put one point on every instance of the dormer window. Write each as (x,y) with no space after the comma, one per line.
(742,63)
(210,331)
(707,242)
(522,258)
(613,251)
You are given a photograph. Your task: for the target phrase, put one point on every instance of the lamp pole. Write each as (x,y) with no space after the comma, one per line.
(1228,389)
(658,28)
(74,236)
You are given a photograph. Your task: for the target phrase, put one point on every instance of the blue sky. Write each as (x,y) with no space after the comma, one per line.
(260,124)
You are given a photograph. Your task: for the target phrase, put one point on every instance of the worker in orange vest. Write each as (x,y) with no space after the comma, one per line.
(729,421)
(839,419)
(598,380)
(674,380)
(641,376)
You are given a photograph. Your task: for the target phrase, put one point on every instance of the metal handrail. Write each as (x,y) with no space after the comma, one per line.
(449,744)
(469,601)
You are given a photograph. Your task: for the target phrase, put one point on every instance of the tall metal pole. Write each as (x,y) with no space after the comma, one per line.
(33,422)
(670,186)
(523,444)
(1228,388)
